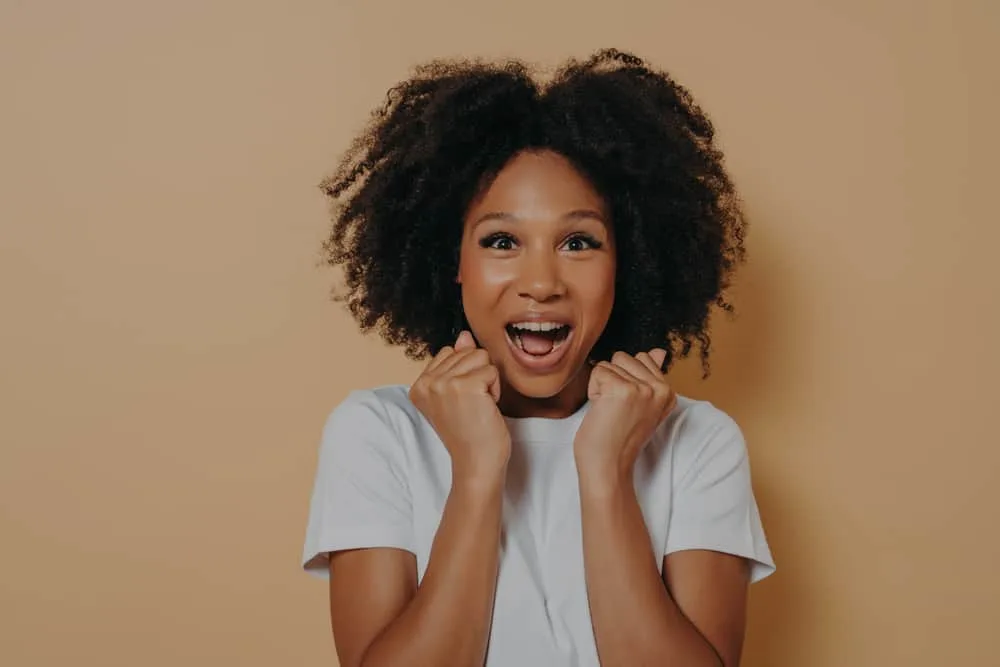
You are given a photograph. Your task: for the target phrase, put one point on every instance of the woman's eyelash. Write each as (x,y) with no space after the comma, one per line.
(593,243)
(492,240)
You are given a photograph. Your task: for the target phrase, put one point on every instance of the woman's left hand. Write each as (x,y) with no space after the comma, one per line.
(629,397)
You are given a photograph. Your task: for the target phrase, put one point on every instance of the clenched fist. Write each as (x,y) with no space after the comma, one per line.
(458,393)
(629,397)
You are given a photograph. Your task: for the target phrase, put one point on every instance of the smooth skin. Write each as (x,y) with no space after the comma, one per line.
(539,239)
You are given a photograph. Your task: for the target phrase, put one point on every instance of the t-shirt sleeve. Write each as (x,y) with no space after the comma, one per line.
(713,504)
(360,496)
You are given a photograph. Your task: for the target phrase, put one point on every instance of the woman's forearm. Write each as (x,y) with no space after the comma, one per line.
(636,623)
(447,623)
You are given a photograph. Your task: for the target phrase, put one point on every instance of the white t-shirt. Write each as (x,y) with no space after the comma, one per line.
(384,475)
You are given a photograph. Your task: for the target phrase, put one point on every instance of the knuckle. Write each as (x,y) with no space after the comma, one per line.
(418,394)
(619,357)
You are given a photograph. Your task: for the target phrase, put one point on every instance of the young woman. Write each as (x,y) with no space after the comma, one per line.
(539,495)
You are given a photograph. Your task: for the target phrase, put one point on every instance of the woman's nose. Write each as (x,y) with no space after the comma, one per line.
(540,279)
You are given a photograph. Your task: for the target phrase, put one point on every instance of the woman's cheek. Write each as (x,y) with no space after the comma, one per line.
(483,290)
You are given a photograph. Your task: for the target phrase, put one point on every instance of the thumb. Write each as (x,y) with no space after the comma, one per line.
(595,384)
(464,341)
(494,388)
(658,355)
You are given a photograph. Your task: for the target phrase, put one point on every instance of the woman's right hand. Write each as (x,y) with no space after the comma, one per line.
(458,393)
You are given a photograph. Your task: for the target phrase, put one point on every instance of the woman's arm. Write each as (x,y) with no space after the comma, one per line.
(381,618)
(694,616)
(636,620)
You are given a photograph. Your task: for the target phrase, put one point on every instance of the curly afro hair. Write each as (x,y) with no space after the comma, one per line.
(401,191)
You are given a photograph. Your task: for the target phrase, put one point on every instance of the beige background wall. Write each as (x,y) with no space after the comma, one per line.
(168,355)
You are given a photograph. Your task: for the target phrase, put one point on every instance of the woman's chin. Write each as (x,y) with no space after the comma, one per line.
(547,388)
(537,388)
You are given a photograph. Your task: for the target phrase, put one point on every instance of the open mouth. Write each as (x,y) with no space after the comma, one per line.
(538,344)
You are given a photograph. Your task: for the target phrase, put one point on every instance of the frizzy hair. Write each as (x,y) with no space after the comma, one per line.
(400,193)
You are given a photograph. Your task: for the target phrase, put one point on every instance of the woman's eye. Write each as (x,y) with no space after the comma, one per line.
(498,242)
(582,242)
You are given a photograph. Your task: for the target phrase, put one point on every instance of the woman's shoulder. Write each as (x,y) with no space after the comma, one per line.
(692,415)
(694,424)
(389,400)
(390,396)
(388,405)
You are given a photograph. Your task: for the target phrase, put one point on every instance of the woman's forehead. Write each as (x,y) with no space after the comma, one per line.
(538,185)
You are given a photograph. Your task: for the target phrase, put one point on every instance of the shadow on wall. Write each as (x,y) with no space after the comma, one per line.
(747,382)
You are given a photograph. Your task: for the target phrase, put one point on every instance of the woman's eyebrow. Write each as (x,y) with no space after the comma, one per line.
(495,215)
(576,214)
(582,213)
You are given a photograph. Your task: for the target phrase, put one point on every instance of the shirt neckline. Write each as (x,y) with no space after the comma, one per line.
(545,429)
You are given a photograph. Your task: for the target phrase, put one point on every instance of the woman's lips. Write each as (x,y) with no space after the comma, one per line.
(539,363)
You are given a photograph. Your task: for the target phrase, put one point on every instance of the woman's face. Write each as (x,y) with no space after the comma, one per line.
(537,271)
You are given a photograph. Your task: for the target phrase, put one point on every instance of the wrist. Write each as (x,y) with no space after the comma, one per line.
(600,479)
(478,480)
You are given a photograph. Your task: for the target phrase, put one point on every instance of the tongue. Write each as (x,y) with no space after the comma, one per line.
(535,343)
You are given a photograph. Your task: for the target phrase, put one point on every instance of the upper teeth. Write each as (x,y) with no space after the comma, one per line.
(537,326)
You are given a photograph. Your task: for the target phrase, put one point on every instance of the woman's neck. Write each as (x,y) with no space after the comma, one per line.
(563,404)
